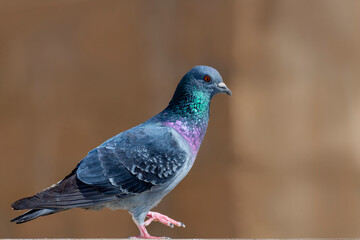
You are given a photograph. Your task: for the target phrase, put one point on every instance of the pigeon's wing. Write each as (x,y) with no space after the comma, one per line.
(135,161)
(130,163)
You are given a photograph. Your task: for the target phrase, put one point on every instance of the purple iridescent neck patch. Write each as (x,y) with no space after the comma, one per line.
(192,134)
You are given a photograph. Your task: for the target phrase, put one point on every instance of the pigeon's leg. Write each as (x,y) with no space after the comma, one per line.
(155,216)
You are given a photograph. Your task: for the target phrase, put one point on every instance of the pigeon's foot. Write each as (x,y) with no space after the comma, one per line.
(155,216)
(145,235)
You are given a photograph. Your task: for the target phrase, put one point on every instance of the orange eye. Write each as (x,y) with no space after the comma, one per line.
(207,78)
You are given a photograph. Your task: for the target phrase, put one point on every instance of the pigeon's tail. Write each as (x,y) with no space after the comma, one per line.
(34,213)
(68,193)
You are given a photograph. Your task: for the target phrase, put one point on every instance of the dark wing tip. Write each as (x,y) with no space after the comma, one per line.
(22,204)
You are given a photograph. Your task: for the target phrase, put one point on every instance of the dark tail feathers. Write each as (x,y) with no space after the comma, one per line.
(34,213)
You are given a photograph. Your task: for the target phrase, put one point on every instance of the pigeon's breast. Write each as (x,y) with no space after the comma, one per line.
(192,134)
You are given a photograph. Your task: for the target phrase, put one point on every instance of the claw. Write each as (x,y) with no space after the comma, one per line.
(145,235)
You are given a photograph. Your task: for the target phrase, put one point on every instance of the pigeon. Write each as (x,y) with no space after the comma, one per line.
(135,169)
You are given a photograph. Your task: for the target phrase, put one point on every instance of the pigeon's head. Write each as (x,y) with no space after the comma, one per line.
(206,79)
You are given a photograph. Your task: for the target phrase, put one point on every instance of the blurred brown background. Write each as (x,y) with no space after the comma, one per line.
(281,157)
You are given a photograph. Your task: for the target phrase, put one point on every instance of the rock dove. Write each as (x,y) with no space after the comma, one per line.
(135,169)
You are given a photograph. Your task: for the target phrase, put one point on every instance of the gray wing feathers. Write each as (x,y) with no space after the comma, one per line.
(134,161)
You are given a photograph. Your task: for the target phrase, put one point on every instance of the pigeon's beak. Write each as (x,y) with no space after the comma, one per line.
(224,88)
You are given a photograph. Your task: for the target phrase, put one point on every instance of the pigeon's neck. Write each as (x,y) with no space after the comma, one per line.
(188,113)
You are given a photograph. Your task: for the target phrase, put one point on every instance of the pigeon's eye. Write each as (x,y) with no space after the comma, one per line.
(207,78)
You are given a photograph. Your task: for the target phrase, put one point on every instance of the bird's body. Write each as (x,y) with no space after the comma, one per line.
(135,169)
